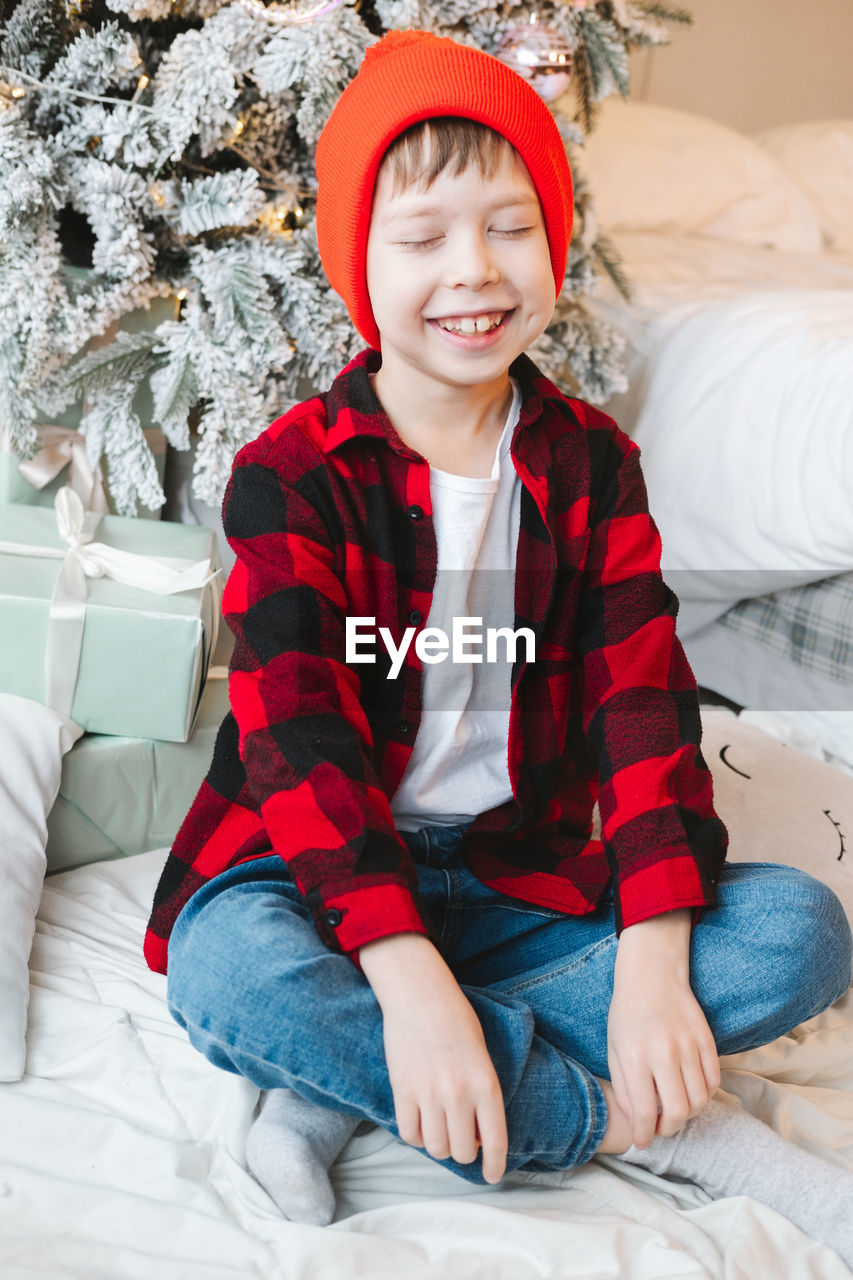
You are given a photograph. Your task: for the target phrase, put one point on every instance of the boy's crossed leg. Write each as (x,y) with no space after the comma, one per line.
(776,952)
(260,994)
(330,1049)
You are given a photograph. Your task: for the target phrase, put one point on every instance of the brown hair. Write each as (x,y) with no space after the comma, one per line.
(427,148)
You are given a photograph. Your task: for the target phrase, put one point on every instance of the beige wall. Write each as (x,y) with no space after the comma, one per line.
(753,64)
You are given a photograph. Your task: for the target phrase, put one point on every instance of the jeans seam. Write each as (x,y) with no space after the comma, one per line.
(452,915)
(539,978)
(530,909)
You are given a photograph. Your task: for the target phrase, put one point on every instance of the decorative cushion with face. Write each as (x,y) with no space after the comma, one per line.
(780,804)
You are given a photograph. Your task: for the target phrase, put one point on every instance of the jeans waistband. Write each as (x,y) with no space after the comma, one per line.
(435,846)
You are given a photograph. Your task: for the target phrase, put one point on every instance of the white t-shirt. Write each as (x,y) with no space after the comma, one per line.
(458,767)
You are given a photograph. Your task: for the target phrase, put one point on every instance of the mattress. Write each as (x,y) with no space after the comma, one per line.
(121,1150)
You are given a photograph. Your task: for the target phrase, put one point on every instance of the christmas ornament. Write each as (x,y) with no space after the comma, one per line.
(285,15)
(540,54)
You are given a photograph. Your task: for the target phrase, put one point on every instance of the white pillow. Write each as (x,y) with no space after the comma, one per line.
(33,740)
(746,432)
(818,157)
(780,804)
(651,168)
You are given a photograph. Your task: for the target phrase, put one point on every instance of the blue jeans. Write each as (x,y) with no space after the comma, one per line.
(259,994)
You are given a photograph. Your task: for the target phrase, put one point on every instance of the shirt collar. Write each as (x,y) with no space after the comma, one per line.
(353,410)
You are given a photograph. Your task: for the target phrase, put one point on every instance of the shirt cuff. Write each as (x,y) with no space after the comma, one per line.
(670,884)
(350,920)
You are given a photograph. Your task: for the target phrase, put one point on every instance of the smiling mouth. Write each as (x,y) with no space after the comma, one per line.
(483,323)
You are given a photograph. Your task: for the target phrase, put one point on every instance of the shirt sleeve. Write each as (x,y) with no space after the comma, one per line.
(304,738)
(664,843)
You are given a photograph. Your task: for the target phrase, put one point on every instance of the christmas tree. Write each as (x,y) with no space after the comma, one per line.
(164,148)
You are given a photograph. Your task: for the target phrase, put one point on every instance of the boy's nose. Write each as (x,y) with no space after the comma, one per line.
(473,263)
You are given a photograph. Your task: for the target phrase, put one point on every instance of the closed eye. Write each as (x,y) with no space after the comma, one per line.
(417,245)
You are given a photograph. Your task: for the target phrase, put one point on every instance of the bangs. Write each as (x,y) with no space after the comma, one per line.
(427,148)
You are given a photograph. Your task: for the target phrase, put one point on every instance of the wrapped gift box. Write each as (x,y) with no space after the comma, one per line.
(120,796)
(144,656)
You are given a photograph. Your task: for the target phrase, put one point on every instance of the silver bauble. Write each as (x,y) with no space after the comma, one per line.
(541,55)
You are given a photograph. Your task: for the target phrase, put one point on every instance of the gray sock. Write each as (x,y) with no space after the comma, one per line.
(291,1147)
(729,1153)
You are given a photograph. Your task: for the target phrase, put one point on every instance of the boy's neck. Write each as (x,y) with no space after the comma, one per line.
(456,429)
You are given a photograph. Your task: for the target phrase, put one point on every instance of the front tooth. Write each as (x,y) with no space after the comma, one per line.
(483,323)
(467,325)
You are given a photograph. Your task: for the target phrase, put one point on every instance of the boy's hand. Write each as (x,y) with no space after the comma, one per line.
(663,1059)
(447,1096)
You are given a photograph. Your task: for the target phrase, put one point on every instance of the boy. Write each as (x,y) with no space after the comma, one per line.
(386,903)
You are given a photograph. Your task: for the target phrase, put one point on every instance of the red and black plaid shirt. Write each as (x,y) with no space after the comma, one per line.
(329,514)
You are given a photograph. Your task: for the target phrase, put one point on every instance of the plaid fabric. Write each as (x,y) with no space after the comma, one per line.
(811,625)
(329,515)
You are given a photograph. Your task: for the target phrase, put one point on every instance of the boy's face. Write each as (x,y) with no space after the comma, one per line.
(469,253)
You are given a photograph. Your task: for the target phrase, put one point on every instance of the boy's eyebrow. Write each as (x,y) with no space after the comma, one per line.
(431,210)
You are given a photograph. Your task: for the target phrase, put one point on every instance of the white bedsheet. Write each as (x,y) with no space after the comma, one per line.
(121,1151)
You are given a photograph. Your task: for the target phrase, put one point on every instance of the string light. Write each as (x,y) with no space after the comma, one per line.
(66,92)
(141,85)
(182,294)
(277,219)
(238,128)
(10,94)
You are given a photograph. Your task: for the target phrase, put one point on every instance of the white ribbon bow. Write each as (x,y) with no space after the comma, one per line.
(162,575)
(66,447)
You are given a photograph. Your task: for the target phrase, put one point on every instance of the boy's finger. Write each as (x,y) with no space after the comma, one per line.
(491,1126)
(620,1090)
(674,1102)
(711,1067)
(644,1108)
(461,1130)
(409,1123)
(695,1083)
(434,1129)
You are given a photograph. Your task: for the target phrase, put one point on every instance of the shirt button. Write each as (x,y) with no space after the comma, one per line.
(403,727)
(334,917)
(416,513)
(416,617)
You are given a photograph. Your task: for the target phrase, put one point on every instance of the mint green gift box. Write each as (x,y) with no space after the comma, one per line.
(121,796)
(144,657)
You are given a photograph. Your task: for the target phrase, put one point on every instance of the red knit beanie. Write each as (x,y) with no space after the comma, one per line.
(406,77)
